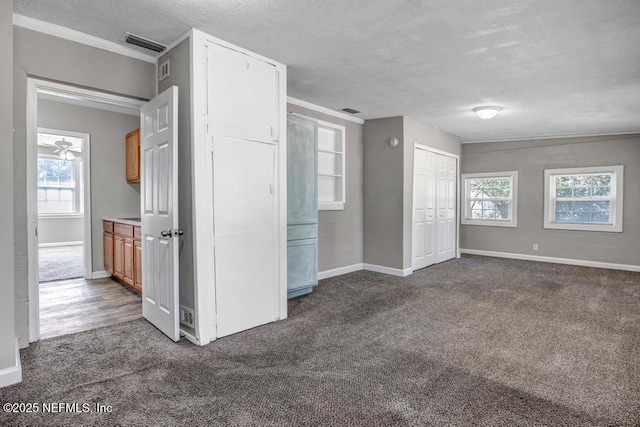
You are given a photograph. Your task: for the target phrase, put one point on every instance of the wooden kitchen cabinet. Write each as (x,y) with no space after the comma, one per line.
(107,247)
(133,156)
(118,256)
(123,253)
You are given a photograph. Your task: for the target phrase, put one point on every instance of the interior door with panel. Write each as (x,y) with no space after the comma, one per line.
(245,222)
(424,209)
(159,216)
(446,207)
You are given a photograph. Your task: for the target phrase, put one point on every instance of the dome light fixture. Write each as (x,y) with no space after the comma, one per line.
(487,112)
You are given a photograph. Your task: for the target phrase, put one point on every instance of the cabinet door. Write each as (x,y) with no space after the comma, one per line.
(242,96)
(118,256)
(137,265)
(302,178)
(128,262)
(133,156)
(107,248)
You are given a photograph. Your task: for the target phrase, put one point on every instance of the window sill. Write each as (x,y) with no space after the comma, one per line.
(607,228)
(508,224)
(330,206)
(60,216)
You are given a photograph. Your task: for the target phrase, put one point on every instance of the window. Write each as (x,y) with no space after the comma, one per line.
(588,199)
(56,186)
(490,198)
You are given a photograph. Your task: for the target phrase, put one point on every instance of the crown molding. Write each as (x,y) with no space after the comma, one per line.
(28,23)
(324,110)
(560,136)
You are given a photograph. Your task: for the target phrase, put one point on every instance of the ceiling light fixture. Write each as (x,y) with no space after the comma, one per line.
(487,112)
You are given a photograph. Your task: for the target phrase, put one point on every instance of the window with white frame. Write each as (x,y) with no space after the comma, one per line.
(588,199)
(491,199)
(331,166)
(57,186)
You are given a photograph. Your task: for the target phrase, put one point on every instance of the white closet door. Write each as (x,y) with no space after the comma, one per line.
(245,222)
(424,209)
(446,208)
(244,91)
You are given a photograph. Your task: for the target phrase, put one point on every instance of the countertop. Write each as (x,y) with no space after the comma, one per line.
(129,221)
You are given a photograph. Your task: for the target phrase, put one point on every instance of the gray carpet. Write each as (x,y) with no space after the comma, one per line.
(474,341)
(60,263)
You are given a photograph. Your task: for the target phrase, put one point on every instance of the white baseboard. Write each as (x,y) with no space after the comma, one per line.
(388,270)
(340,271)
(56,244)
(569,261)
(12,375)
(100,274)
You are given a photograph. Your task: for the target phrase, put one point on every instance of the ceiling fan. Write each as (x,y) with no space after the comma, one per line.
(64,149)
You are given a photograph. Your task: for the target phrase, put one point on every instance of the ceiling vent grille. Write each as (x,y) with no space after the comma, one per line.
(350,111)
(144,43)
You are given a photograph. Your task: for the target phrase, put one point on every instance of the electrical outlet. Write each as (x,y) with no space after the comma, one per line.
(535,246)
(186,317)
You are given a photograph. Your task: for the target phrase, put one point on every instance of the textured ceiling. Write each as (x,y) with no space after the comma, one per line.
(557,67)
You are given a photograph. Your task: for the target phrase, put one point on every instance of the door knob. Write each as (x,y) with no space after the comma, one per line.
(166,233)
(178,232)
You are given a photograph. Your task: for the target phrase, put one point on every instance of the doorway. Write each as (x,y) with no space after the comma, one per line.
(69,291)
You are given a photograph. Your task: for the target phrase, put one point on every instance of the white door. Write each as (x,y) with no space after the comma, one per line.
(245,223)
(159,205)
(446,208)
(424,209)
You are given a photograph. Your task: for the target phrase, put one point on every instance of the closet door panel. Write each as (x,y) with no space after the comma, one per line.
(424,233)
(246,93)
(446,208)
(245,223)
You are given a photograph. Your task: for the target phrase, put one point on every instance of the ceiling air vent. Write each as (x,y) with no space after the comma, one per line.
(350,111)
(144,43)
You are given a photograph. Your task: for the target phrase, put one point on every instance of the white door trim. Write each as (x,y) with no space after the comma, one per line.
(35,86)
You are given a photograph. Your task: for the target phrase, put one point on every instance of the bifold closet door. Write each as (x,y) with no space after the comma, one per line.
(424,209)
(246,249)
(446,175)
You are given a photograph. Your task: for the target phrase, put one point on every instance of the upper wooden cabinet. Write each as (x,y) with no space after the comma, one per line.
(133,156)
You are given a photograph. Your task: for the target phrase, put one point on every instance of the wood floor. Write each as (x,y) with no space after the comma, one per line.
(77,305)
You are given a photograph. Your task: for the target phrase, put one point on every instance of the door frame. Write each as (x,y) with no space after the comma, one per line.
(457,158)
(74,95)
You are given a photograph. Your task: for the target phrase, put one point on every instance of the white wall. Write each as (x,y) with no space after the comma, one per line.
(7,297)
(60,230)
(48,57)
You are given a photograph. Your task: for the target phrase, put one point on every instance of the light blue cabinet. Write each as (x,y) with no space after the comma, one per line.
(302,207)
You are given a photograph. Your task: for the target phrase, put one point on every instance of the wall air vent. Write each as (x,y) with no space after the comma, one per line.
(350,111)
(144,43)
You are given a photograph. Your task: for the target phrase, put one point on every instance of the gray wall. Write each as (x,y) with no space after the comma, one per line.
(7,297)
(340,233)
(530,158)
(60,230)
(388,186)
(40,55)
(180,76)
(111,195)
(383,192)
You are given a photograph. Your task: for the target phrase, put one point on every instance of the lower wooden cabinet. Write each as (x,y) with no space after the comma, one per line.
(123,253)
(107,247)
